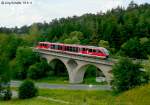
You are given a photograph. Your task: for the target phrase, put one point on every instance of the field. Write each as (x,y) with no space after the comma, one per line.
(64,80)
(137,96)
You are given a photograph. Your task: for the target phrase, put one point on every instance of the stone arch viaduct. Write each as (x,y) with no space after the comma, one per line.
(76,64)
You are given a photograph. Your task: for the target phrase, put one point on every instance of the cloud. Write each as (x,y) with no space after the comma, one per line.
(46,10)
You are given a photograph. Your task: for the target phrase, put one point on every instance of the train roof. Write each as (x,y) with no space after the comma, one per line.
(75,45)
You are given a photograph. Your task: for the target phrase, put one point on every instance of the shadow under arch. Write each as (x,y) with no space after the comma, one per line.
(89,72)
(59,69)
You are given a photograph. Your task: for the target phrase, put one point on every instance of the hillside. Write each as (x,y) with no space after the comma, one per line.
(117,29)
(137,96)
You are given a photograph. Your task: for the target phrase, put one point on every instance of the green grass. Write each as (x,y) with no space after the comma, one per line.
(91,80)
(54,80)
(64,80)
(137,96)
(33,101)
(78,97)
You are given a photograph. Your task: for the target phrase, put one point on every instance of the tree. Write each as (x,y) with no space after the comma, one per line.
(73,40)
(147,67)
(103,43)
(127,75)
(27,90)
(132,5)
(39,70)
(74,37)
(134,49)
(5,92)
(24,58)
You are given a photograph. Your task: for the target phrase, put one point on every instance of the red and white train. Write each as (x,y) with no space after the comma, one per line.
(91,51)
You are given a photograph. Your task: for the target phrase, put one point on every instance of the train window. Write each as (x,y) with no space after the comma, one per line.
(94,50)
(56,47)
(83,49)
(74,49)
(59,47)
(70,49)
(53,47)
(90,50)
(99,51)
(45,45)
(67,48)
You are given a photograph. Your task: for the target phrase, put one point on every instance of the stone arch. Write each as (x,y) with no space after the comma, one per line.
(72,63)
(81,71)
(55,61)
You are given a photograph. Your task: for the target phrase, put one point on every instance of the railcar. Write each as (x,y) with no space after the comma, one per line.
(91,51)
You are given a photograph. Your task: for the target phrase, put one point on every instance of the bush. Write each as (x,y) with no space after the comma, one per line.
(127,75)
(38,70)
(5,94)
(132,48)
(27,90)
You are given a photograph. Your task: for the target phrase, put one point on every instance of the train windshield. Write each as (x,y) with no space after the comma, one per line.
(106,51)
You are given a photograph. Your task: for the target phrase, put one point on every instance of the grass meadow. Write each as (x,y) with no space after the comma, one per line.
(136,96)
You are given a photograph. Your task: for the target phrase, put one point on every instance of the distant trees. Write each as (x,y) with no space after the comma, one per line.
(127,75)
(116,26)
(74,37)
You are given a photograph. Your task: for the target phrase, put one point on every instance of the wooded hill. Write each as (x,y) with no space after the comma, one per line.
(122,31)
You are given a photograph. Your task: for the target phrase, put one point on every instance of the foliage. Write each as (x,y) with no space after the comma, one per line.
(103,43)
(136,96)
(24,59)
(147,67)
(5,92)
(38,70)
(127,75)
(134,49)
(27,90)
(58,68)
(74,37)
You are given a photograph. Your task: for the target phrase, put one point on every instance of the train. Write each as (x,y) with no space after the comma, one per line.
(90,51)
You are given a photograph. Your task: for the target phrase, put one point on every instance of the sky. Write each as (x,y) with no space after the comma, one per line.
(12,15)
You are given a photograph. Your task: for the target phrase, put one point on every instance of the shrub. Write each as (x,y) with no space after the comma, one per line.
(27,90)
(132,48)
(127,75)
(5,92)
(38,70)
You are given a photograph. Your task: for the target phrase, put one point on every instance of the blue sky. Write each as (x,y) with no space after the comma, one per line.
(46,10)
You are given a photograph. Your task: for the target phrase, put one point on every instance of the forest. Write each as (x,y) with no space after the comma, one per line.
(123,31)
